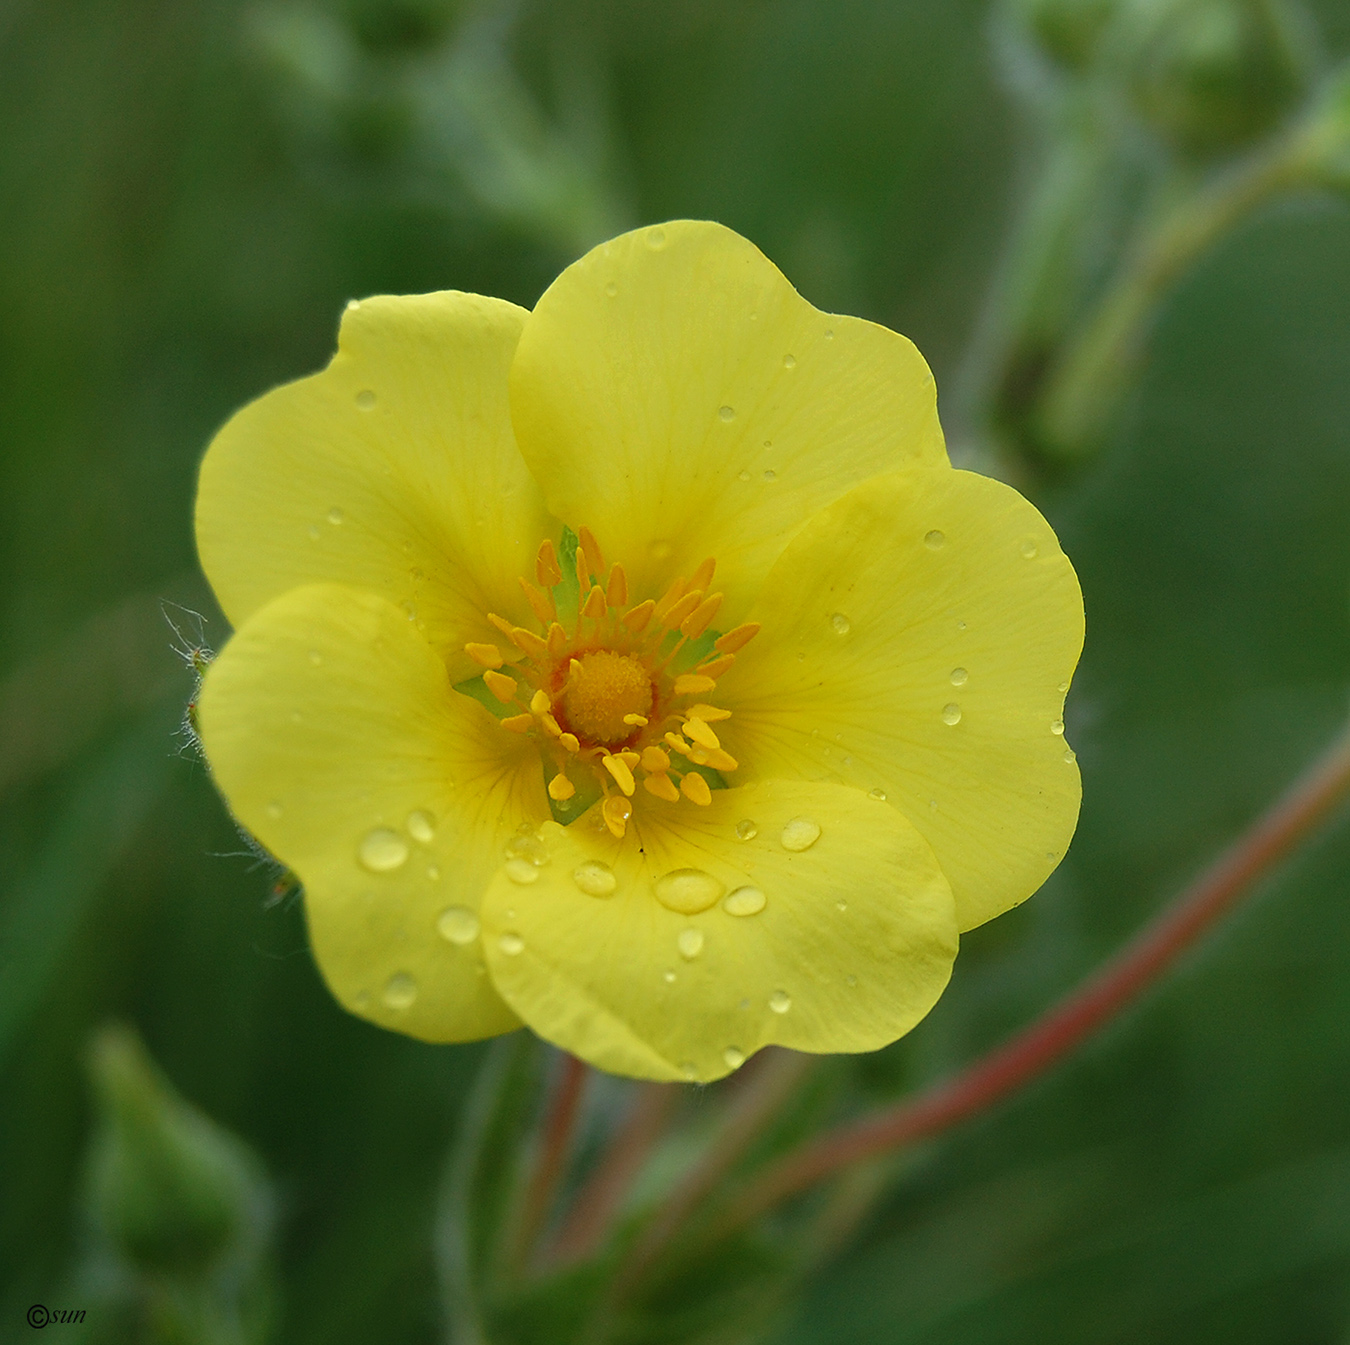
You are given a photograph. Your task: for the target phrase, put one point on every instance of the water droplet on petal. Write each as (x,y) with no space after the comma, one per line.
(688,891)
(951,713)
(313,533)
(656,239)
(960,625)
(400,991)
(735,1058)
(743,476)
(274,809)
(457,924)
(1070,755)
(933,540)
(668,977)
(789,361)
(690,943)
(746,830)
(780,1001)
(850,980)
(433,872)
(829,335)
(841,905)
(689,1071)
(726,413)
(744,901)
(382,850)
(960,677)
(366,399)
(335,515)
(1057,727)
(422,826)
(1028,549)
(521,871)
(878,794)
(771,475)
(840,624)
(315,657)
(1062,688)
(611,289)
(511,944)
(800,834)
(595,879)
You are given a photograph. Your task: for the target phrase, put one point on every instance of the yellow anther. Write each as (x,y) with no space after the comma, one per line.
(583,571)
(574,671)
(714,757)
(616,810)
(678,743)
(702,577)
(697,621)
(715,667)
(528,643)
(540,604)
(560,788)
(546,567)
(701,733)
(501,686)
(501,623)
(638,721)
(668,599)
(709,714)
(618,768)
(519,723)
(736,638)
(628,757)
(681,609)
(617,593)
(540,703)
(690,684)
(662,786)
(595,606)
(695,788)
(571,742)
(551,726)
(488,655)
(556,639)
(636,620)
(655,760)
(594,556)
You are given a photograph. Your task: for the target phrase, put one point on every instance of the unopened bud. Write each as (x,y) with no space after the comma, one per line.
(1210,76)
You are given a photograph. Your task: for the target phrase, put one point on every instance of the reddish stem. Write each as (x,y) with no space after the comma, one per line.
(559,1123)
(600,1199)
(1098,999)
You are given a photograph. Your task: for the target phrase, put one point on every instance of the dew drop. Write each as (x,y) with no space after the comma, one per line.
(770,474)
(611,289)
(1070,755)
(735,1058)
(829,335)
(789,361)
(878,794)
(726,412)
(850,979)
(434,873)
(780,1001)
(933,540)
(457,924)
(274,809)
(841,905)
(656,239)
(315,657)
(595,879)
(951,713)
(335,516)
(422,826)
(521,871)
(746,830)
(365,399)
(382,850)
(840,624)
(1057,727)
(690,943)
(668,977)
(1028,549)
(743,476)
(400,991)
(1062,688)
(689,1071)
(688,891)
(744,901)
(801,833)
(960,677)
(511,944)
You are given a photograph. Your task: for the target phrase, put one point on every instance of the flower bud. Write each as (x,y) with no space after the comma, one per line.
(1212,75)
(1067,31)
(171,1192)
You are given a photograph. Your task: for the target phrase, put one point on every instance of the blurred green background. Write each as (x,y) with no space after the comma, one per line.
(190,193)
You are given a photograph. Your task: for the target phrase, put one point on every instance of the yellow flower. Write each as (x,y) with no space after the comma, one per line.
(797,691)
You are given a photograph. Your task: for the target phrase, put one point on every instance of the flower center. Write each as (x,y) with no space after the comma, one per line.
(605,687)
(615,696)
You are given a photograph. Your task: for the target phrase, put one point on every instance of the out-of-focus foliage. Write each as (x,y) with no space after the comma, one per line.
(188,196)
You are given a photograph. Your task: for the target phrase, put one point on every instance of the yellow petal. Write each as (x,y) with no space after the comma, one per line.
(395,470)
(664,374)
(918,638)
(851,946)
(336,739)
